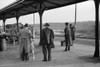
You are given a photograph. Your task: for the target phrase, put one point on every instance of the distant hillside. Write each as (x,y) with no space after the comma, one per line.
(81,27)
(54,26)
(85,27)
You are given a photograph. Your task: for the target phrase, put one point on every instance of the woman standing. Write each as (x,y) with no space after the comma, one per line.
(25,36)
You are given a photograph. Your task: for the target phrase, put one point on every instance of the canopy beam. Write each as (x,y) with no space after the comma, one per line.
(52,2)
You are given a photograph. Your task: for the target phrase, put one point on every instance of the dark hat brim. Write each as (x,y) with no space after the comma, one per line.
(66,23)
(46,24)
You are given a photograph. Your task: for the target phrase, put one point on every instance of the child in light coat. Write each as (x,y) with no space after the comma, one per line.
(32,50)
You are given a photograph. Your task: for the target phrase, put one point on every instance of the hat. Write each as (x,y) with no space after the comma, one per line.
(46,24)
(71,25)
(26,25)
(66,23)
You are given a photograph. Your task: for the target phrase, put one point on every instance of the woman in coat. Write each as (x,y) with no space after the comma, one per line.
(25,36)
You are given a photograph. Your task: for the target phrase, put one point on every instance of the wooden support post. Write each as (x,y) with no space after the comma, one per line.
(17,19)
(96,53)
(4,45)
(75,14)
(33,26)
(4,24)
(40,14)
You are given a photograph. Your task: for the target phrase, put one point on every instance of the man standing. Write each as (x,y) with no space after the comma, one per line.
(72,28)
(25,36)
(68,40)
(47,41)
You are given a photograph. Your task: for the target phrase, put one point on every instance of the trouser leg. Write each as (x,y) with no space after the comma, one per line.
(69,44)
(49,52)
(66,45)
(23,54)
(44,52)
(26,56)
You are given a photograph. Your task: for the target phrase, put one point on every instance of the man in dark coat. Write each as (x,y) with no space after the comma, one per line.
(47,42)
(72,28)
(68,40)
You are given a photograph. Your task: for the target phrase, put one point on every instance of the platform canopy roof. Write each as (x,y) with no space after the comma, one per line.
(24,7)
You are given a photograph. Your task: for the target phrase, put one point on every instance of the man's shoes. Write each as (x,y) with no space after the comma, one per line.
(68,50)
(49,59)
(23,59)
(44,60)
(65,50)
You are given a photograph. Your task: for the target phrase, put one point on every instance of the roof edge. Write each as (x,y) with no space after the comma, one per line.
(11,5)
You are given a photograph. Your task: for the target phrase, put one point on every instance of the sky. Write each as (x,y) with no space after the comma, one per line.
(85,12)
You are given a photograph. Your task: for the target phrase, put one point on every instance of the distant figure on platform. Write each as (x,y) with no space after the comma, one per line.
(68,40)
(25,36)
(47,41)
(72,28)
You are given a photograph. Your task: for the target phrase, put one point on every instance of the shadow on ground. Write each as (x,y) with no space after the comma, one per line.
(89,59)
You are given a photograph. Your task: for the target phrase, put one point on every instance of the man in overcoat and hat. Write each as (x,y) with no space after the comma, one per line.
(47,41)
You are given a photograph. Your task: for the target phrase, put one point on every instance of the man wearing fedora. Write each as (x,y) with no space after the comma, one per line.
(47,41)
(68,40)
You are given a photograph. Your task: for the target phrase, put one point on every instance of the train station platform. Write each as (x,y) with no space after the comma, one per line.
(80,55)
